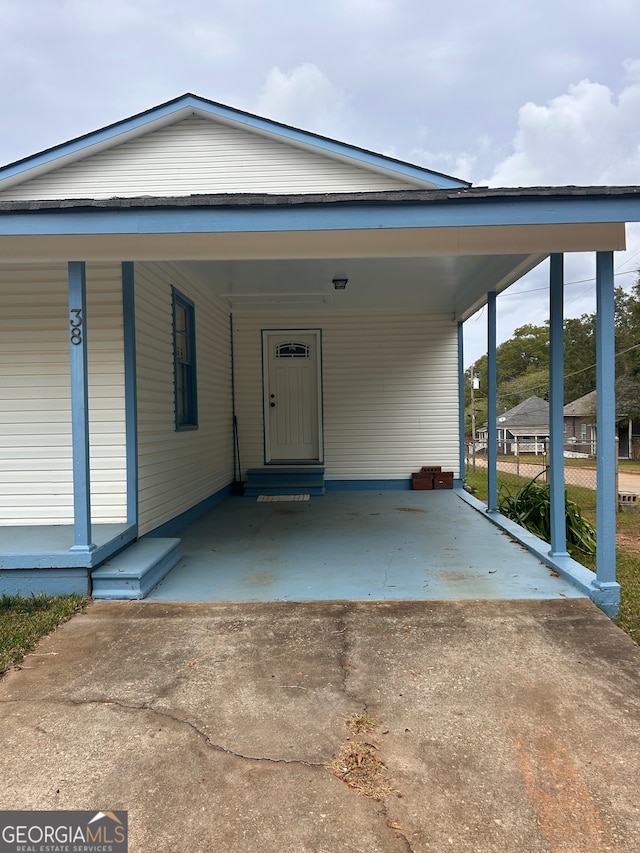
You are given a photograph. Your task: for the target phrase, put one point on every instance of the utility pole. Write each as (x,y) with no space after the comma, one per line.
(475,384)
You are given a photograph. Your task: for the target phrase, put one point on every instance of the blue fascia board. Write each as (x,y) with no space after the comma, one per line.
(86,142)
(188,102)
(319,217)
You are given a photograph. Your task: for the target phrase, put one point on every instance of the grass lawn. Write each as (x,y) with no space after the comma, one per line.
(23,621)
(627,466)
(628,536)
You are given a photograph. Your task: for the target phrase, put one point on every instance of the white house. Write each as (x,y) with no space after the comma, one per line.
(195,268)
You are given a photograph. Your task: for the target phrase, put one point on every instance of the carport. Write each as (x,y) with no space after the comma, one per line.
(141,204)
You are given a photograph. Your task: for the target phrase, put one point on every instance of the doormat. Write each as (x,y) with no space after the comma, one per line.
(269,498)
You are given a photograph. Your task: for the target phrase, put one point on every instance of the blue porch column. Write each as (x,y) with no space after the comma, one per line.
(461,388)
(130,390)
(492,394)
(556,406)
(605,427)
(79,407)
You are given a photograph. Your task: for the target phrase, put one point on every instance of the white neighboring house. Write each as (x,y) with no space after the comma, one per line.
(522,429)
(196,279)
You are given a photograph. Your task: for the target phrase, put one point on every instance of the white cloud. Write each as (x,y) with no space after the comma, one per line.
(459,165)
(102,18)
(306,98)
(586,136)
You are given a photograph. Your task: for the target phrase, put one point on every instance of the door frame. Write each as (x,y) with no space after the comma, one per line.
(317,333)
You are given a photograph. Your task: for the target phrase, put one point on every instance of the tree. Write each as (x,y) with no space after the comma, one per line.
(523,361)
(579,356)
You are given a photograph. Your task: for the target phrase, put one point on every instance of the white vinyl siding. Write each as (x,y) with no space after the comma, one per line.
(179,469)
(202,156)
(389,391)
(36,478)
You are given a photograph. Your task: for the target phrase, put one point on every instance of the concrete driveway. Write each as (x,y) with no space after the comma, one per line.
(499,726)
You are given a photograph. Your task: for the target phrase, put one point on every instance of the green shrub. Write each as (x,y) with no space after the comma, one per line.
(530,507)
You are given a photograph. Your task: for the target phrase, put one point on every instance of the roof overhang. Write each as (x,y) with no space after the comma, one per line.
(438,250)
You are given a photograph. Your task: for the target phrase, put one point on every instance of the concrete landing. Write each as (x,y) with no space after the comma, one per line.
(356,546)
(503,727)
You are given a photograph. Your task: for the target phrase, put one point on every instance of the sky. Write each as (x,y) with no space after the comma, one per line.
(507,93)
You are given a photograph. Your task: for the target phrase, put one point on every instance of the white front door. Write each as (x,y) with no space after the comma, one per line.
(292,407)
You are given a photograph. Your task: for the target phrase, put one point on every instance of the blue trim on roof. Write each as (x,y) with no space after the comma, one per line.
(216,110)
(319,217)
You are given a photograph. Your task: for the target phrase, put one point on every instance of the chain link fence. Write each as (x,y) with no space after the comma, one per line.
(523,459)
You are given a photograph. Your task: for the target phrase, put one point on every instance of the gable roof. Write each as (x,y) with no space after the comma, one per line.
(188,106)
(534,411)
(584,406)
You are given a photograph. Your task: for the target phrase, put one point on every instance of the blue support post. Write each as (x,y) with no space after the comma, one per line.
(605,424)
(461,387)
(492,394)
(130,390)
(79,407)
(556,406)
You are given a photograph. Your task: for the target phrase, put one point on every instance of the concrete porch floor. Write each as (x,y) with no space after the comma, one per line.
(32,546)
(359,545)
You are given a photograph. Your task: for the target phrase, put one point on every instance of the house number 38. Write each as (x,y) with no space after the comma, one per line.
(75,321)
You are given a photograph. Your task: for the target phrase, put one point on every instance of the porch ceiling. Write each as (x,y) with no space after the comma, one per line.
(445,269)
(434,250)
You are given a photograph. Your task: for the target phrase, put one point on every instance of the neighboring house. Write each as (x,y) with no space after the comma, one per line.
(196,268)
(580,429)
(523,429)
(580,425)
(629,439)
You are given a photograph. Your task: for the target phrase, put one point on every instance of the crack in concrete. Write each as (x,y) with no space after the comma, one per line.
(343,662)
(343,653)
(395,828)
(186,722)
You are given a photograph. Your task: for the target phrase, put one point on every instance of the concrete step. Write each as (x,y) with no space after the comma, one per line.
(291,474)
(134,572)
(285,481)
